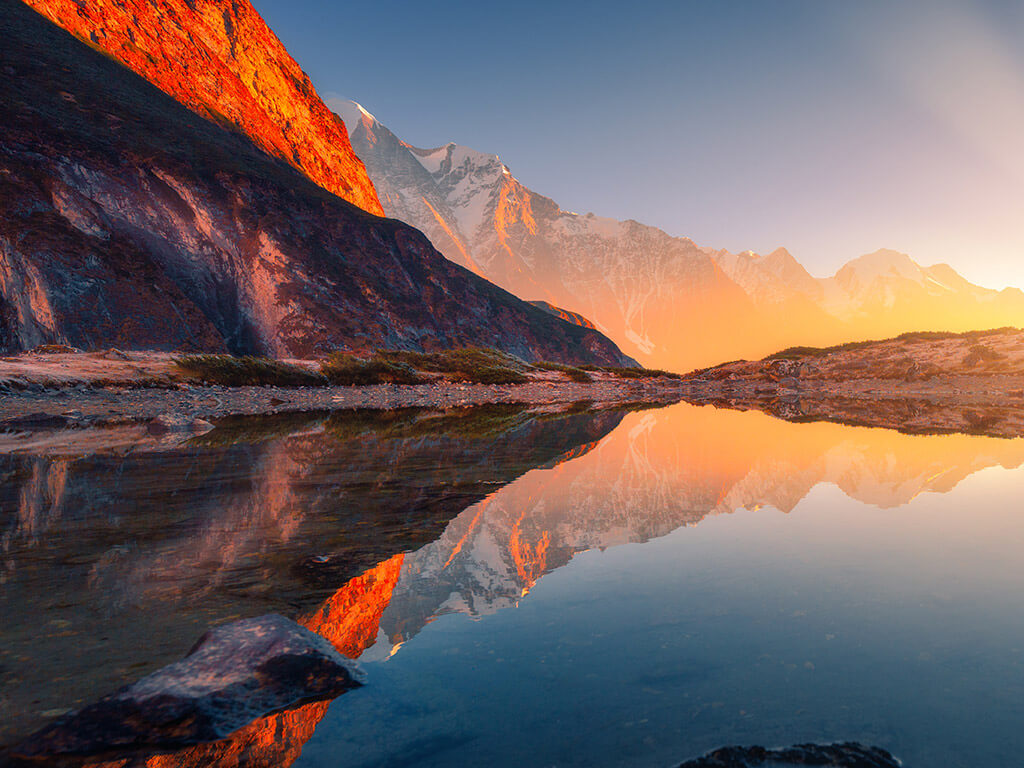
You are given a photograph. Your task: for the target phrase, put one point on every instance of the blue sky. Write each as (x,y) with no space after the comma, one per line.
(831,128)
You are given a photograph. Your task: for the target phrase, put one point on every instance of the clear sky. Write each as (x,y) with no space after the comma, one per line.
(832,128)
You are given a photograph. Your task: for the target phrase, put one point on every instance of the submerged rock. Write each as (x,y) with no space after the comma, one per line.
(235,674)
(846,755)
(169,422)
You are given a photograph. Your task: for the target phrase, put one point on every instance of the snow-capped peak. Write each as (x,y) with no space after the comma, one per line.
(352,112)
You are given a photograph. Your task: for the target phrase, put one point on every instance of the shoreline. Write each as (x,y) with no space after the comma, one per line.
(67,391)
(73,407)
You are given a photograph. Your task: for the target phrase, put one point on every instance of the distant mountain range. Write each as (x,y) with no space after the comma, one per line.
(207,216)
(665,300)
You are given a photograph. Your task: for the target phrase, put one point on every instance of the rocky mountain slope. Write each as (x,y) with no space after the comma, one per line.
(219,58)
(667,301)
(128,220)
(929,382)
(649,291)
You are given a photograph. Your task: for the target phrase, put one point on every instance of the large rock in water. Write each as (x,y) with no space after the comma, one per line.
(235,674)
(846,755)
(128,220)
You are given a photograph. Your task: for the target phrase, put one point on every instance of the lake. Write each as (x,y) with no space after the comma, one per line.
(614,587)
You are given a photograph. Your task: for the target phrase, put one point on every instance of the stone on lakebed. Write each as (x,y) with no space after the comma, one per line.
(235,674)
(846,755)
(169,422)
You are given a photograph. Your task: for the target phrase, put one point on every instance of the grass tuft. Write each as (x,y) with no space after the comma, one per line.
(574,373)
(230,371)
(470,364)
(347,370)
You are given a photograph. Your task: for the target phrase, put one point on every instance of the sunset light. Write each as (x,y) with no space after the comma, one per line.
(535,384)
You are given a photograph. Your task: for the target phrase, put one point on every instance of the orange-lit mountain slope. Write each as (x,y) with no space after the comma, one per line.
(219,58)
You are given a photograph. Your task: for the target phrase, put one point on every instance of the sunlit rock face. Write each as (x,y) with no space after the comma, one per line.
(667,301)
(127,220)
(219,58)
(565,314)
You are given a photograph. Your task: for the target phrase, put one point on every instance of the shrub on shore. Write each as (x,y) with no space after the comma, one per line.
(632,372)
(347,370)
(230,371)
(574,373)
(475,365)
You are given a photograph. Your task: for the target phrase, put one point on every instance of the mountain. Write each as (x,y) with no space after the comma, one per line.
(777,277)
(219,58)
(126,219)
(885,292)
(665,300)
(566,314)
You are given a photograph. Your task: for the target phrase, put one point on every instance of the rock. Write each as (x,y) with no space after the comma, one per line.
(33,421)
(235,674)
(846,755)
(171,422)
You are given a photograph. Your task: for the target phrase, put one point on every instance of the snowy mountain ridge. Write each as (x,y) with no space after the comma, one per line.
(667,301)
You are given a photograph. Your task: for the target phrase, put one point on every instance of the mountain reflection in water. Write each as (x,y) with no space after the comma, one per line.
(598,480)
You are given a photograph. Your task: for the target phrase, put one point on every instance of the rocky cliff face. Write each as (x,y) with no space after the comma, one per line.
(219,58)
(667,301)
(128,220)
(573,317)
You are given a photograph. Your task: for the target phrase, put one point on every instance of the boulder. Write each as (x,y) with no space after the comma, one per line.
(235,674)
(846,755)
(169,422)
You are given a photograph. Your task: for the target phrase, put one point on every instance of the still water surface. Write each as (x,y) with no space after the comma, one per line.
(619,588)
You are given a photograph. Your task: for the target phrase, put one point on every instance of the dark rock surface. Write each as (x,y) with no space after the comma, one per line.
(127,220)
(235,674)
(845,755)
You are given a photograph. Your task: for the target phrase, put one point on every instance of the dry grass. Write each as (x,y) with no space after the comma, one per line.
(347,370)
(230,371)
(472,365)
(573,372)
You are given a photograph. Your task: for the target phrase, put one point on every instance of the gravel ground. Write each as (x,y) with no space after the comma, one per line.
(83,406)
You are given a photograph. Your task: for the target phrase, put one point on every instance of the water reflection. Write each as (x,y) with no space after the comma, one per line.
(658,472)
(489,502)
(113,561)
